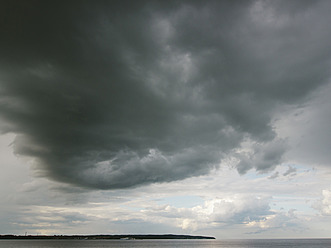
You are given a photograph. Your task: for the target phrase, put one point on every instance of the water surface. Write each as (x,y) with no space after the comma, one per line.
(268,243)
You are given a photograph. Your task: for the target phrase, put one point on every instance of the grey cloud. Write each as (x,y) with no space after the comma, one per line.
(273,176)
(308,130)
(261,156)
(291,171)
(113,95)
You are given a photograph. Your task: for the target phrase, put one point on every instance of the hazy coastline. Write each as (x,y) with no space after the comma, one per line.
(101,236)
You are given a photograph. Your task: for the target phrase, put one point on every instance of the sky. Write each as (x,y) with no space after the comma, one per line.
(185,117)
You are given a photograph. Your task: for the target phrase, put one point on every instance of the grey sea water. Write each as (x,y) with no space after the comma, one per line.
(269,243)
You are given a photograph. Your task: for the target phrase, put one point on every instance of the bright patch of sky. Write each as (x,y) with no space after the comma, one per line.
(181,201)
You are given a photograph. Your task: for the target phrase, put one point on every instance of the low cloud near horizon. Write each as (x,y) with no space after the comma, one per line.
(119,94)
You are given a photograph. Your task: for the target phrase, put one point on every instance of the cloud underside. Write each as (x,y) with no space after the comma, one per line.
(109,95)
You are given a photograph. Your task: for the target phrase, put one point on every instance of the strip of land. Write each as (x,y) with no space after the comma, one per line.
(121,236)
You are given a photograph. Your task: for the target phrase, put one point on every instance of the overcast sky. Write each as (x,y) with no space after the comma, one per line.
(197,117)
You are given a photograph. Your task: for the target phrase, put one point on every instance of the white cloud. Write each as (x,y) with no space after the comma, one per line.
(324,204)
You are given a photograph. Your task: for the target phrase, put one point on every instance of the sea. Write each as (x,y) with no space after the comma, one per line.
(252,243)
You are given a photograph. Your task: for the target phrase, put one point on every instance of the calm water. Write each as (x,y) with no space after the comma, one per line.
(302,243)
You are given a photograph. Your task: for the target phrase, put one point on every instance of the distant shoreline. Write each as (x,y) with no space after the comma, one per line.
(116,237)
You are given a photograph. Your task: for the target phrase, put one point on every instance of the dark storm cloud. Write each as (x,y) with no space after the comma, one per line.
(118,94)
